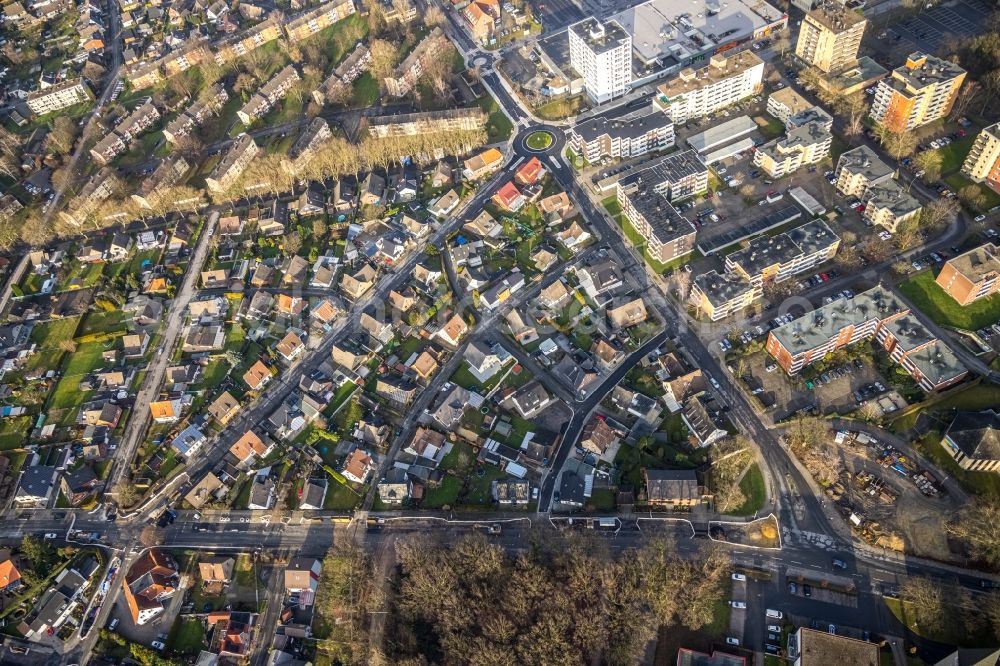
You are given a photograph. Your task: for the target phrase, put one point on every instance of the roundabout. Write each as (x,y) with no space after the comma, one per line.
(539,141)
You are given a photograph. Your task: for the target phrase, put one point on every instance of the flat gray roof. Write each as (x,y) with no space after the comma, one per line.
(722,134)
(892,196)
(864,160)
(629,126)
(771,219)
(684,29)
(720,289)
(815,328)
(670,168)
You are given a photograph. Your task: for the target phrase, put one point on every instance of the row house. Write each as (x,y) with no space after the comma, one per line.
(407,73)
(268,95)
(313,20)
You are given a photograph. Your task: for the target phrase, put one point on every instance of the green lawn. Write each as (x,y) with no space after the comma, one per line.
(366,90)
(498,125)
(49,334)
(445,494)
(980,483)
(954,632)
(772,127)
(539,140)
(954,153)
(957,181)
(187,636)
(943,309)
(752,486)
(560,108)
(603,499)
(339,497)
(103,322)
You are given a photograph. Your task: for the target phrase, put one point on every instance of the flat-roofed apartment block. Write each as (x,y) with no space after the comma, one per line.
(973,440)
(601,53)
(971,275)
(858,169)
(313,20)
(631,135)
(718,296)
(982,164)
(239,44)
(144,75)
(233,163)
(830,37)
(101,185)
(59,96)
(207,105)
(785,103)
(676,176)
(724,81)
(668,234)
(843,322)
(929,361)
(185,57)
(264,99)
(430,122)
(888,205)
(920,92)
(776,258)
(806,144)
(408,72)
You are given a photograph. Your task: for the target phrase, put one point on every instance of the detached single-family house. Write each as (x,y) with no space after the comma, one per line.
(358,466)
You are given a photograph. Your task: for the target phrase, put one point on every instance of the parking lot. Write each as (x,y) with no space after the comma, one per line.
(935,29)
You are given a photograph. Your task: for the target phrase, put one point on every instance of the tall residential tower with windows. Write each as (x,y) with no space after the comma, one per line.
(602,54)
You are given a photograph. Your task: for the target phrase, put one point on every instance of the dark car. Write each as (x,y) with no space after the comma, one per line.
(807,590)
(840,564)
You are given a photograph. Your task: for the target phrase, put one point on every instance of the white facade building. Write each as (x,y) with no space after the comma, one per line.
(602,55)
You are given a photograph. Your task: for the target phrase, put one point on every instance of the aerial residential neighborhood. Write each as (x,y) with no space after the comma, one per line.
(354,332)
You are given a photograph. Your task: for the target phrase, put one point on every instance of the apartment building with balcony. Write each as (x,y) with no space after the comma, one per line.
(982,164)
(98,189)
(777,258)
(430,122)
(858,169)
(407,73)
(723,81)
(676,176)
(716,296)
(601,53)
(632,135)
(888,205)
(207,106)
(311,21)
(668,234)
(920,92)
(971,275)
(805,144)
(239,44)
(57,97)
(841,323)
(264,99)
(931,363)
(830,37)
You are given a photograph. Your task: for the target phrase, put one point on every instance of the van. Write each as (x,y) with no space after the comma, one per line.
(777,196)
(776,614)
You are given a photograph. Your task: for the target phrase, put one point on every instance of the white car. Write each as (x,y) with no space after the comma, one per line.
(715,384)
(265,519)
(775,628)
(738,604)
(732,641)
(244,519)
(51,535)
(224,519)
(157,645)
(980,218)
(739,576)
(884,235)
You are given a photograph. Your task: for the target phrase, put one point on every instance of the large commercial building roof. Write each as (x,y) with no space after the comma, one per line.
(683,29)
(728,151)
(722,134)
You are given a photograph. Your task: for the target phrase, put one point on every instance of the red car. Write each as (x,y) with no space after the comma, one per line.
(824,277)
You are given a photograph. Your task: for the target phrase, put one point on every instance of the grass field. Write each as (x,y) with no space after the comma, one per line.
(339,497)
(954,153)
(980,483)
(539,140)
(366,90)
(498,126)
(752,486)
(943,309)
(957,181)
(187,636)
(49,334)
